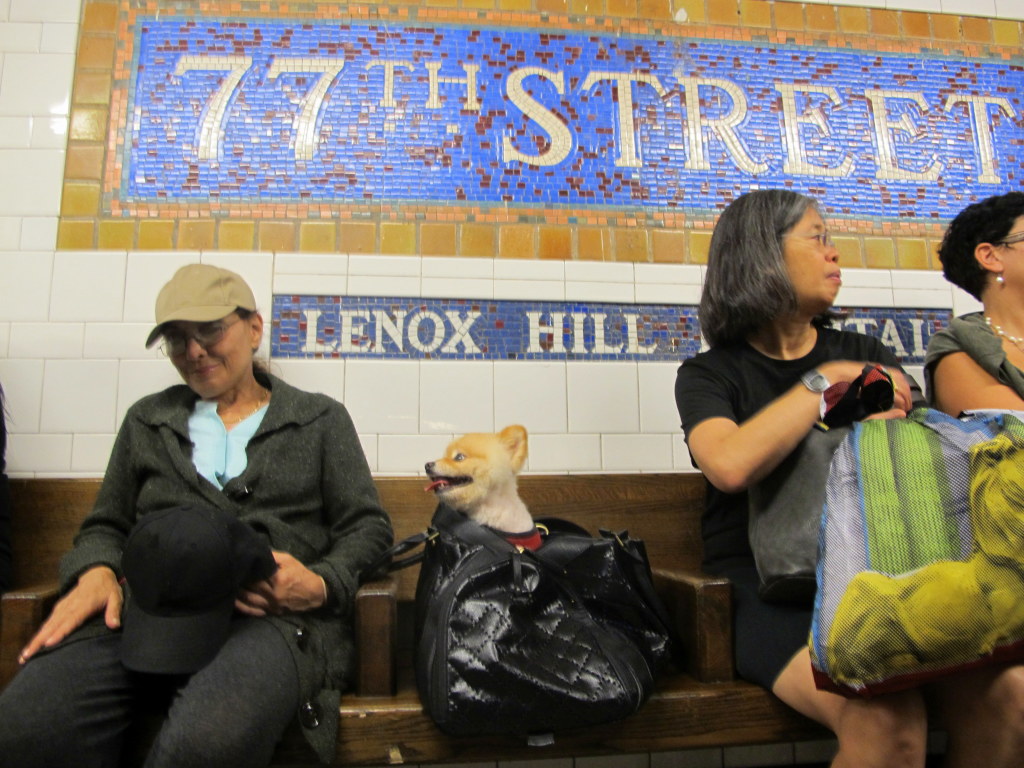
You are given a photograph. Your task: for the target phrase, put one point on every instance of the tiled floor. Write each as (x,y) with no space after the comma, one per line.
(810,754)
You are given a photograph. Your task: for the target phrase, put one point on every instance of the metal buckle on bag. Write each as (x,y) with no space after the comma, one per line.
(543,532)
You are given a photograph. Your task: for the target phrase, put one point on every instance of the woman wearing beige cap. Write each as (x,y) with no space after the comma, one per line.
(236,440)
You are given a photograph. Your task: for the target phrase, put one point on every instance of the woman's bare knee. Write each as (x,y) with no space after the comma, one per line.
(889,730)
(884,732)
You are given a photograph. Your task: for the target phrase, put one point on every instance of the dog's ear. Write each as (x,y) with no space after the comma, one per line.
(513,438)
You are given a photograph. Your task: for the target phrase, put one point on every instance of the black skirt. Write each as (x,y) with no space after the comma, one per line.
(766,635)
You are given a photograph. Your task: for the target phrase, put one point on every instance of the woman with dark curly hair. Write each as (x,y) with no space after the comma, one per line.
(977,362)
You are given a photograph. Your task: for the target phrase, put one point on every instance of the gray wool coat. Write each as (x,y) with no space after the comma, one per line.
(307,488)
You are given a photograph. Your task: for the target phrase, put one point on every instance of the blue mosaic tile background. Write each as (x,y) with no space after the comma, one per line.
(462,329)
(369,136)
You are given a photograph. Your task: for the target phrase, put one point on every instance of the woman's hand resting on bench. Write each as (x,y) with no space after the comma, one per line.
(97,590)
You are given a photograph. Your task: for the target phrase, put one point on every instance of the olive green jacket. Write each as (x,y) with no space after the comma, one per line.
(306,487)
(970,333)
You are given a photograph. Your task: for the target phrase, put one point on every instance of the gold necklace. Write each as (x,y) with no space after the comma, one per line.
(240,419)
(1017,341)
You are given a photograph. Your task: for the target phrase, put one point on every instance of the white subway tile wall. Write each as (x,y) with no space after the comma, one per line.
(25,287)
(146,273)
(534,392)
(72,327)
(88,287)
(49,11)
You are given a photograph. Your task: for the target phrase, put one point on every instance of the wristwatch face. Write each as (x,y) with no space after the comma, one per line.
(815,381)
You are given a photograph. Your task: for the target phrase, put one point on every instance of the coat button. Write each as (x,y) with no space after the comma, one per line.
(301,638)
(309,715)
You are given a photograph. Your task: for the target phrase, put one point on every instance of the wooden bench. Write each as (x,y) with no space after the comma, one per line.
(382,720)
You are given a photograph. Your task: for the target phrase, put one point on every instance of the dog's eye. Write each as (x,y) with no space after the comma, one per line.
(459,457)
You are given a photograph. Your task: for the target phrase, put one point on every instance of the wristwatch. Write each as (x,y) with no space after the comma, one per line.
(815,381)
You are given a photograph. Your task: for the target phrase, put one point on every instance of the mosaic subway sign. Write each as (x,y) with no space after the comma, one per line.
(226,112)
(464,329)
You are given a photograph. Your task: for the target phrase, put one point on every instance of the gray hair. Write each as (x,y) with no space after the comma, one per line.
(747,285)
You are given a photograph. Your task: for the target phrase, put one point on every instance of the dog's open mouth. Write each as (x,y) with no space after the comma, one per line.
(439,483)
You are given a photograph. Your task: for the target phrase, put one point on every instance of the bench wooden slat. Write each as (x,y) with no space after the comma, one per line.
(684,714)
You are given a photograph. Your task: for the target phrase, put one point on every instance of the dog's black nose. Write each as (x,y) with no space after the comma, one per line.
(429,467)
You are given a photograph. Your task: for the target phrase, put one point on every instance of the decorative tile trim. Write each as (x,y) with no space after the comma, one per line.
(97,211)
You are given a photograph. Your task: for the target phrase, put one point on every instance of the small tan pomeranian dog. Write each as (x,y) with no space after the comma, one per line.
(477,476)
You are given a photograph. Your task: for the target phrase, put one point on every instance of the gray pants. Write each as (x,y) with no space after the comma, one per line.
(73,706)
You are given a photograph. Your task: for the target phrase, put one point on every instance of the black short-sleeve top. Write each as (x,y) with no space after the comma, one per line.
(735,381)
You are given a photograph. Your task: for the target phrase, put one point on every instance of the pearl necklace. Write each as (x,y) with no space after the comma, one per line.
(1017,341)
(240,419)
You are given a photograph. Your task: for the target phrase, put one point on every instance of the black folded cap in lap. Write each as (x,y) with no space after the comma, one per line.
(184,567)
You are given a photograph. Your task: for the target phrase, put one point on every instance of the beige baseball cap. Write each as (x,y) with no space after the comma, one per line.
(200,293)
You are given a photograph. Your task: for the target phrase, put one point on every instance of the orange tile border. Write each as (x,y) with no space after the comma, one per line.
(555,243)
(755,13)
(398,238)
(75,235)
(853,20)
(437,239)
(879,253)
(593,244)
(476,240)
(884,22)
(668,246)
(116,235)
(821,18)
(631,244)
(236,235)
(517,241)
(358,238)
(976,30)
(912,253)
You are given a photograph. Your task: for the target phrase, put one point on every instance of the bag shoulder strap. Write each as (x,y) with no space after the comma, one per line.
(445,520)
(387,562)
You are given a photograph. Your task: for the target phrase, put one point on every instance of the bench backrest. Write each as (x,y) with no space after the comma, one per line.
(45,515)
(662,509)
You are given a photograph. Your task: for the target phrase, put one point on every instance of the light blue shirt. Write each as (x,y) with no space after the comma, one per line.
(219,453)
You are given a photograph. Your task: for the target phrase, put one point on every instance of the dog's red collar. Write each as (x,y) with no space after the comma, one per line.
(529,540)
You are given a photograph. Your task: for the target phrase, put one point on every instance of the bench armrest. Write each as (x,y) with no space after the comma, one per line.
(376,637)
(22,612)
(701,607)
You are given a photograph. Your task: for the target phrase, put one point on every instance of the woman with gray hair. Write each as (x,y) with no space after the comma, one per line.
(745,405)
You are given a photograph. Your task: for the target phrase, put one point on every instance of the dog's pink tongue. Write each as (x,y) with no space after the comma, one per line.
(435,485)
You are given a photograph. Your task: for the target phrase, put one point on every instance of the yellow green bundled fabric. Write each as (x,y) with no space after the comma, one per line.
(929,601)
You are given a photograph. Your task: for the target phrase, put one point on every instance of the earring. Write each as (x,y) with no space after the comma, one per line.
(1000,279)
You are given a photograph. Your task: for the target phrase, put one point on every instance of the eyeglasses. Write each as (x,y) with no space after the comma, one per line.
(824,238)
(205,335)
(1016,237)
